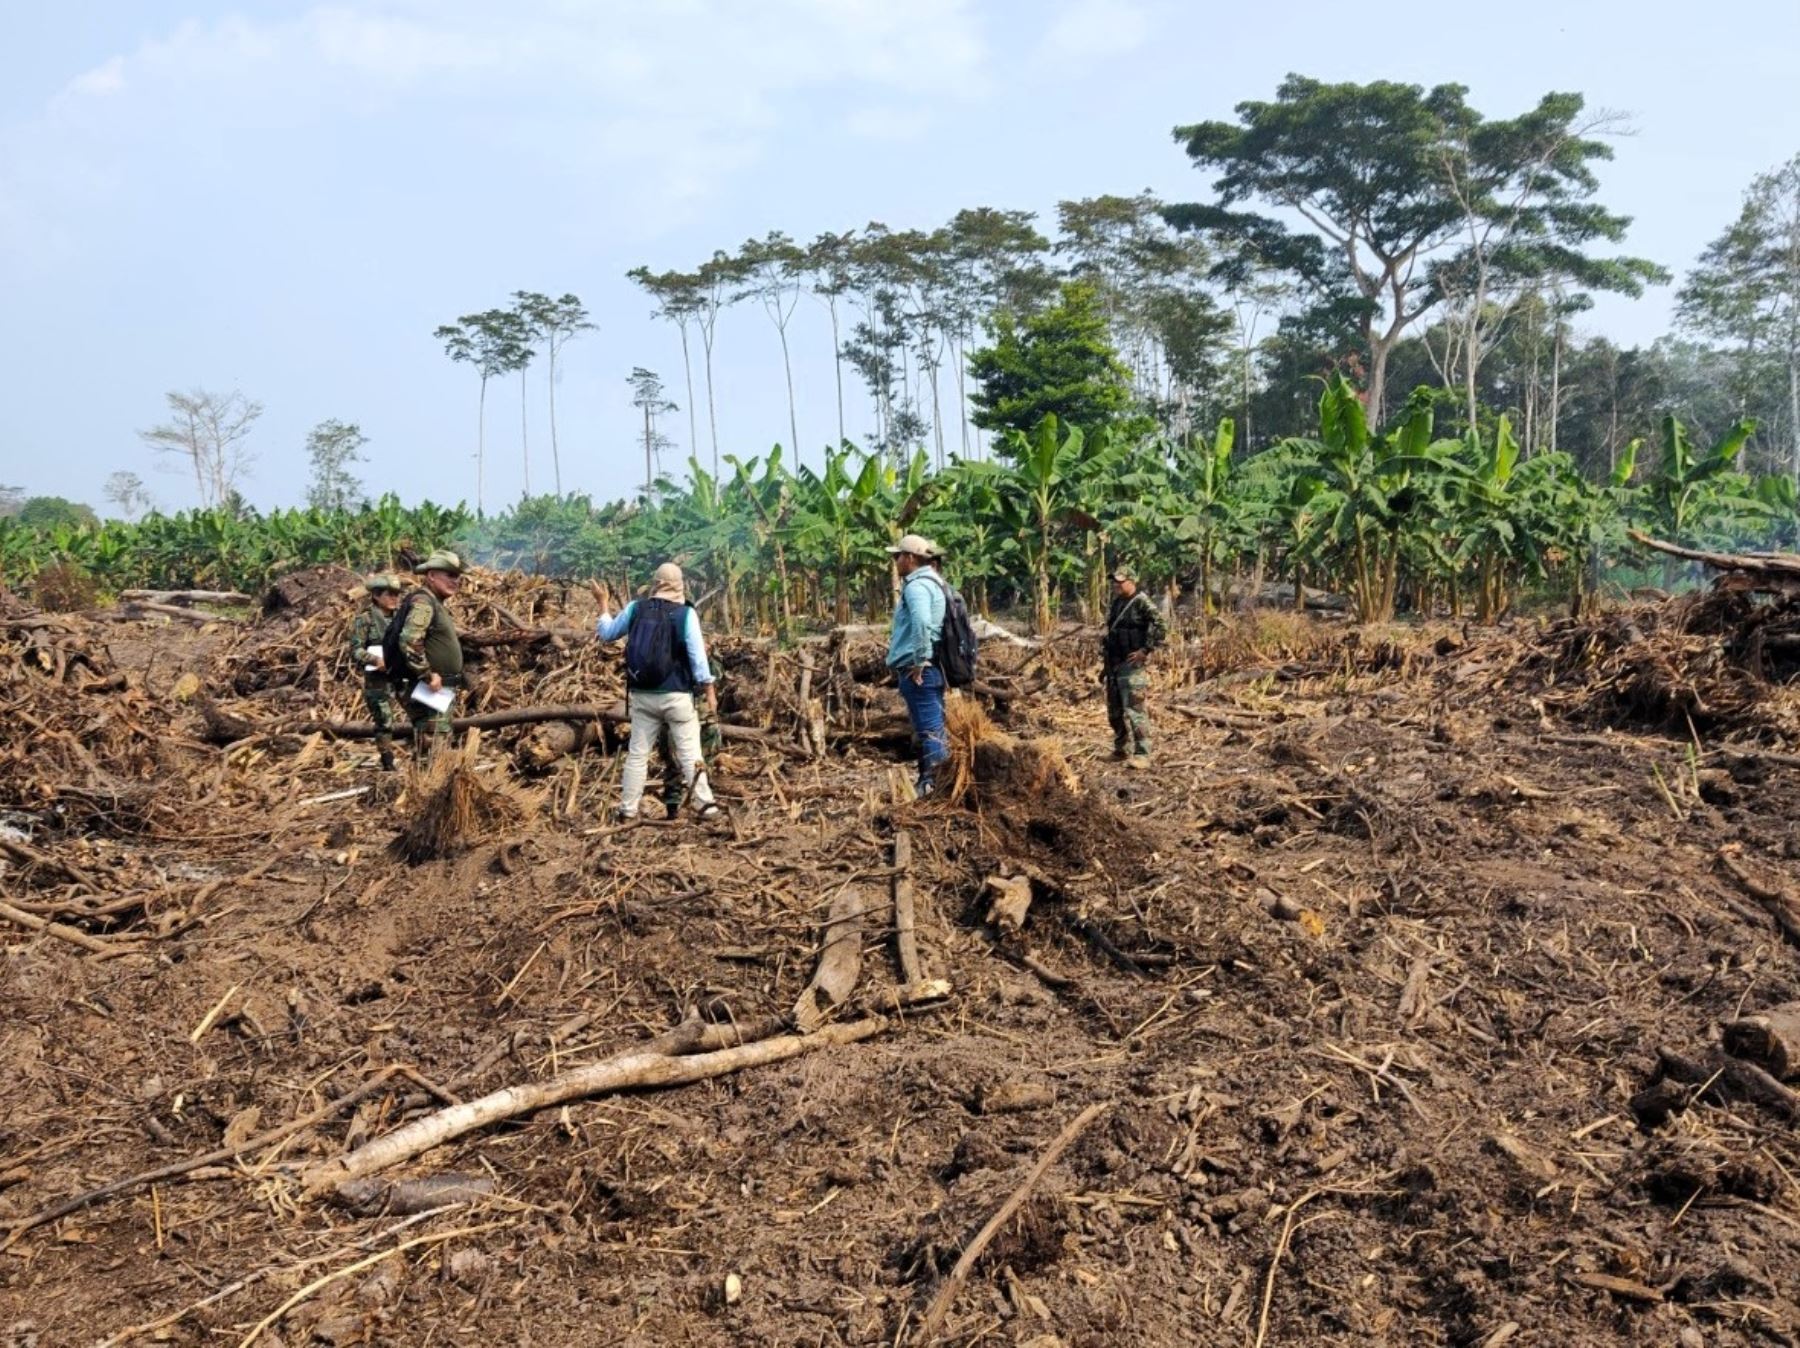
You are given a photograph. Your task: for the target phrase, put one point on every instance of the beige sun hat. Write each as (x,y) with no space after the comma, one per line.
(916,545)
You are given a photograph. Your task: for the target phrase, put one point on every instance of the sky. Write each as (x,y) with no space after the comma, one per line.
(286,199)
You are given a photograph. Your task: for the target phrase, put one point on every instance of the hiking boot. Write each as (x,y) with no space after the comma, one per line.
(387,760)
(1138,762)
(621,815)
(708,813)
(924,787)
(1120,753)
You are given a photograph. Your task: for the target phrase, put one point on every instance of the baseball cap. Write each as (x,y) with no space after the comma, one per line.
(916,544)
(1124,573)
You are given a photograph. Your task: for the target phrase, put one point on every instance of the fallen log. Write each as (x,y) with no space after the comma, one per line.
(1780,570)
(493,720)
(632,1071)
(906,932)
(185,597)
(137,608)
(839,963)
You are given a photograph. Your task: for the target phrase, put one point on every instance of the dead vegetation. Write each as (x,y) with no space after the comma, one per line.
(1434,988)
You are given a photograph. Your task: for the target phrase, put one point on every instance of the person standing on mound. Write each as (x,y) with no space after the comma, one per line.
(918,621)
(665,664)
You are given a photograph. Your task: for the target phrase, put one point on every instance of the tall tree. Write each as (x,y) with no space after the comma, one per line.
(209,431)
(127,491)
(1058,363)
(489,341)
(332,447)
(830,259)
(773,271)
(1387,178)
(678,300)
(647,396)
(553,322)
(1746,288)
(1523,188)
(995,262)
(718,280)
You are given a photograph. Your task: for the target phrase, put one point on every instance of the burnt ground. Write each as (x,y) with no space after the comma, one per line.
(1368,972)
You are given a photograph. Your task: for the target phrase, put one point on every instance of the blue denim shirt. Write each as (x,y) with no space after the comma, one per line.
(918,618)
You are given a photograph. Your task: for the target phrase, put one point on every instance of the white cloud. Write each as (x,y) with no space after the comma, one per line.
(675,95)
(103,79)
(1085,29)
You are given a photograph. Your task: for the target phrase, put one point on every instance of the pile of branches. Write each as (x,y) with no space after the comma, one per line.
(1721,662)
(85,746)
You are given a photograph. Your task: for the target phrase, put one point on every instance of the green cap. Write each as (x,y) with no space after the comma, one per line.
(1124,573)
(382,580)
(442,560)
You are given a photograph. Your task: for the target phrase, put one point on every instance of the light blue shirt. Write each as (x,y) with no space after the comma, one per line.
(610,628)
(918,618)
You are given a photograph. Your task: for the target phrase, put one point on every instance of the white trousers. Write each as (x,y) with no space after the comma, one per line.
(650,712)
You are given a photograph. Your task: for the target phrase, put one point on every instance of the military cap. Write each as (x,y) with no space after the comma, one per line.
(1124,573)
(442,560)
(382,580)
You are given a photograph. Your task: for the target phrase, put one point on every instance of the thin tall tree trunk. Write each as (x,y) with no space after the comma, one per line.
(1556,352)
(555,455)
(649,447)
(837,361)
(687,368)
(793,417)
(712,414)
(524,438)
(1794,410)
(962,394)
(480,445)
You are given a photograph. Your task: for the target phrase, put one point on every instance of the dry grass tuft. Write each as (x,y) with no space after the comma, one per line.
(459,810)
(988,762)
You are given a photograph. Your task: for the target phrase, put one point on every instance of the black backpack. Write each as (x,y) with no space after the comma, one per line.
(393,664)
(956,649)
(656,646)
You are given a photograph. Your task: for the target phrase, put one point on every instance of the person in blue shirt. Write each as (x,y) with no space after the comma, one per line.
(660,692)
(918,620)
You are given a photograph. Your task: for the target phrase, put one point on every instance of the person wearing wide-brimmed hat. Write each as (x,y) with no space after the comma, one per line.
(918,621)
(665,669)
(430,651)
(1134,628)
(366,632)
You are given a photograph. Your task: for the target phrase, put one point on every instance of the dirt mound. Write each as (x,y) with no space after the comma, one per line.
(302,593)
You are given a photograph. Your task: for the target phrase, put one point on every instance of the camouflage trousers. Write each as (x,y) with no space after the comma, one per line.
(431,730)
(1127,693)
(712,739)
(379,699)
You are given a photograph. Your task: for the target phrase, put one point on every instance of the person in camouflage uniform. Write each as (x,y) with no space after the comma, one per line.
(366,631)
(712,739)
(1134,628)
(430,651)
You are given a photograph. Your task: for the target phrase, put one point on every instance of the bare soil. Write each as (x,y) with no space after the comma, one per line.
(1368,969)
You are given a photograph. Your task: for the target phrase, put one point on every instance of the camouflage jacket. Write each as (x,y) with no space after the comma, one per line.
(428,640)
(366,630)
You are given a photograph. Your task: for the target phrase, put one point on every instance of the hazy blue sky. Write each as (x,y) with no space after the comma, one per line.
(286,198)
